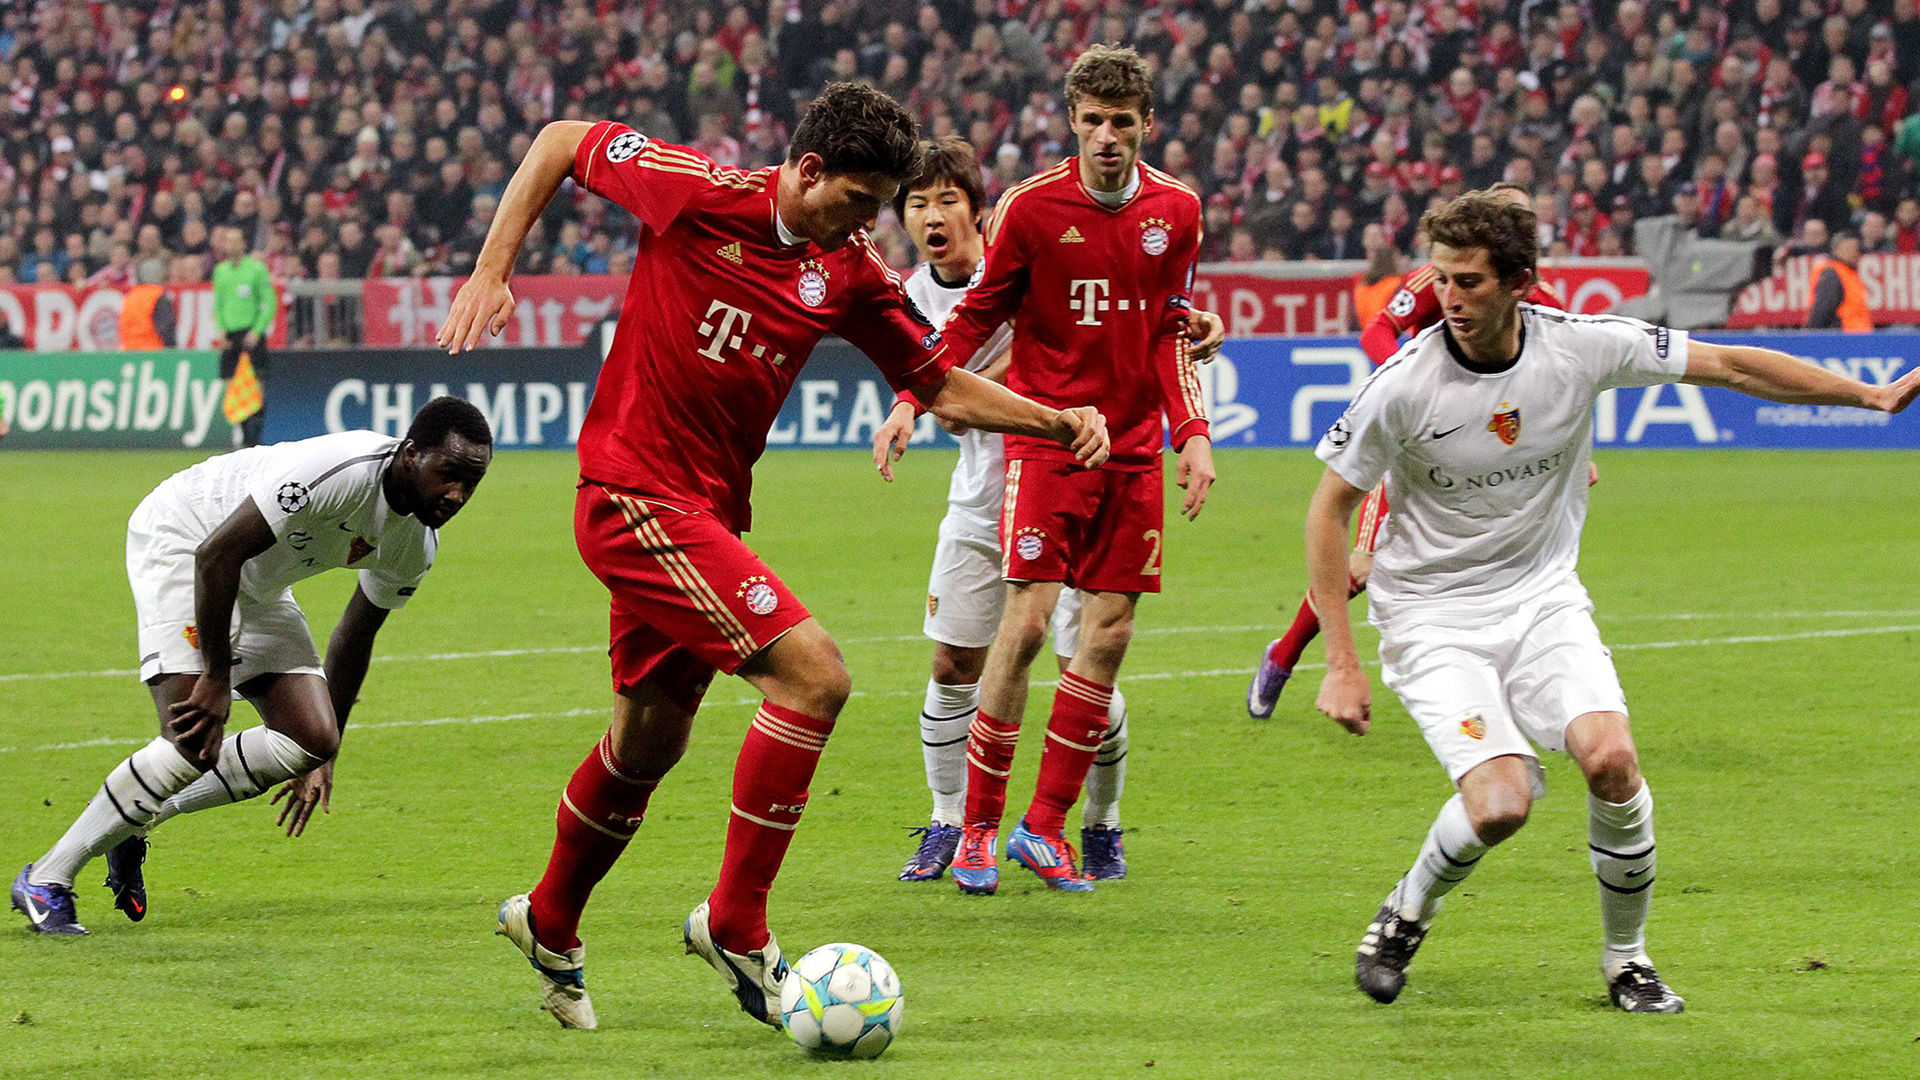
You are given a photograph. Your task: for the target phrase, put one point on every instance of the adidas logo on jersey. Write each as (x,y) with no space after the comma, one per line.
(731,253)
(1072,236)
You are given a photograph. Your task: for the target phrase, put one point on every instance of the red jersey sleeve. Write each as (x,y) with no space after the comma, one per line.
(1179,377)
(651,178)
(1001,288)
(893,332)
(1543,295)
(1412,308)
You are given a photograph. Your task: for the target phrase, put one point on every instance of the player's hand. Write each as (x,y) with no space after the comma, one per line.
(1900,393)
(1195,474)
(199,722)
(1088,435)
(481,308)
(303,793)
(1207,332)
(1593,474)
(891,438)
(1346,696)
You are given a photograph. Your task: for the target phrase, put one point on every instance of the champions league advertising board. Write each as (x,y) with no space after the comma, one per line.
(1261,392)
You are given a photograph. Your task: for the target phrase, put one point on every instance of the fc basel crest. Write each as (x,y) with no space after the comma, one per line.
(1506,423)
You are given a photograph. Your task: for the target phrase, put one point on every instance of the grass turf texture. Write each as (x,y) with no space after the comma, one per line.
(1784,774)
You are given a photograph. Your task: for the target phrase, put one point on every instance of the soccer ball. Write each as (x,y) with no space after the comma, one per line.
(842,1000)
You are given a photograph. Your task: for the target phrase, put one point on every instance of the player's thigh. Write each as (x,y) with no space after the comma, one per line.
(298,706)
(683,577)
(965,593)
(1024,618)
(1043,516)
(802,670)
(1561,671)
(1454,693)
(272,638)
(1120,551)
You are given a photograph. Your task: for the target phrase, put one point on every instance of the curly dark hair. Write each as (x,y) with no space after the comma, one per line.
(1112,73)
(1484,219)
(950,160)
(857,129)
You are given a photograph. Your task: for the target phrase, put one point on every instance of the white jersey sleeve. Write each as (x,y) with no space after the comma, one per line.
(1628,352)
(1363,443)
(315,479)
(391,586)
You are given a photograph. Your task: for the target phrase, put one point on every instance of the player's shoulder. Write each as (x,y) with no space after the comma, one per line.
(1420,281)
(864,256)
(1410,368)
(1031,194)
(326,456)
(616,144)
(1168,187)
(1580,334)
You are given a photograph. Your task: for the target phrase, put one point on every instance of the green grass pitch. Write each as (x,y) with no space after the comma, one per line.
(1763,607)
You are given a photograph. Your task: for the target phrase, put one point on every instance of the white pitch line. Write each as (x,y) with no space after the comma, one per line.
(1204,673)
(887,639)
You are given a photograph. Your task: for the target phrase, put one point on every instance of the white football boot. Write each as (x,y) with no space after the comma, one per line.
(753,977)
(563,978)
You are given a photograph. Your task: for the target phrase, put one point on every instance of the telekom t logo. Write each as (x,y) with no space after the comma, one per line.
(724,337)
(1089,299)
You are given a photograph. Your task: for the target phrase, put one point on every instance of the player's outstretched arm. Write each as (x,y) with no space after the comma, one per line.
(1777,376)
(199,721)
(349,651)
(1344,693)
(962,397)
(484,303)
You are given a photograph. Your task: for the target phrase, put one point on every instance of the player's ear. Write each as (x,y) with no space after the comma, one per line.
(812,168)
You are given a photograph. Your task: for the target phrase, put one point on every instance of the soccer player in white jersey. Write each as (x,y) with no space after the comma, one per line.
(211,555)
(941,211)
(1481,427)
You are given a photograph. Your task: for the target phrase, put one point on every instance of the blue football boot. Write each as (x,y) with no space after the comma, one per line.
(1103,856)
(1051,857)
(1268,680)
(938,845)
(974,867)
(48,908)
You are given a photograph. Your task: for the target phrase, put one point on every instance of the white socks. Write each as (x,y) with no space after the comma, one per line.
(1620,839)
(128,802)
(944,719)
(1446,858)
(250,763)
(1108,777)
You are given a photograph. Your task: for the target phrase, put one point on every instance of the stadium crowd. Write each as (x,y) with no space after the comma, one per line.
(352,138)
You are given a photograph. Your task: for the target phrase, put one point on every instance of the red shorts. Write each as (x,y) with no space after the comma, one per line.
(1373,519)
(1090,528)
(689,596)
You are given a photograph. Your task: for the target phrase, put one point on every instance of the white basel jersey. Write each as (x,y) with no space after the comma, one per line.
(980,478)
(324,500)
(1487,471)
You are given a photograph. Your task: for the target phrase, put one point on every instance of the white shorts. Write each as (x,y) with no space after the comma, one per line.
(1485,692)
(269,637)
(965,592)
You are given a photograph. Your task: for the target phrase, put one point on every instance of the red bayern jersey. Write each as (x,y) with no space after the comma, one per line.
(1416,306)
(719,317)
(1097,295)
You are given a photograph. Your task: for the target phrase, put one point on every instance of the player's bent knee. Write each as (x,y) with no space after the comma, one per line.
(956,666)
(322,744)
(1613,771)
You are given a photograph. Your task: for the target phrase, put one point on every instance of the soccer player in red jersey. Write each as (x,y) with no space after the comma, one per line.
(1413,308)
(1093,260)
(738,275)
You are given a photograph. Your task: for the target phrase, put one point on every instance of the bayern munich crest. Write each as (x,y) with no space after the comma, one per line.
(1154,236)
(813,283)
(760,597)
(1030,543)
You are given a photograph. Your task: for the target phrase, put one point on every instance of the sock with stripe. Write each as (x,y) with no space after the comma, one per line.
(1446,858)
(126,803)
(1074,731)
(1620,840)
(600,810)
(770,781)
(1108,777)
(945,718)
(990,744)
(250,763)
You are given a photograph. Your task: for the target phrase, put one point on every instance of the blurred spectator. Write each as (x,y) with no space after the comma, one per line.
(1750,223)
(146,314)
(312,125)
(1839,298)
(1376,284)
(1906,227)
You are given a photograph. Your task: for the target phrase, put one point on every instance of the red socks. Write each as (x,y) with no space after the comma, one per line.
(1306,626)
(599,812)
(990,746)
(1073,739)
(770,781)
